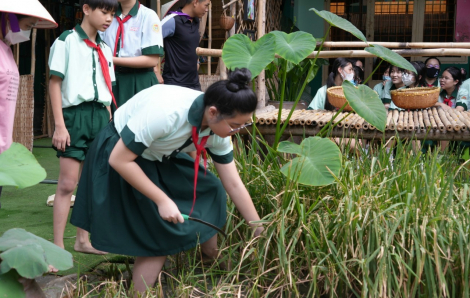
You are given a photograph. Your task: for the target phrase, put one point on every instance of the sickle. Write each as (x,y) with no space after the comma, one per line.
(187,217)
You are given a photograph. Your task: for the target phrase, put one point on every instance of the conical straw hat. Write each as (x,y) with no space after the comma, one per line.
(171,6)
(31,8)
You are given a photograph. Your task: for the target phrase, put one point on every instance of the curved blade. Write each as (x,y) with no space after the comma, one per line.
(207,224)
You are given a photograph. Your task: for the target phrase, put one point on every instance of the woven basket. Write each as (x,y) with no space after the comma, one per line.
(24,114)
(415,98)
(337,99)
(226,22)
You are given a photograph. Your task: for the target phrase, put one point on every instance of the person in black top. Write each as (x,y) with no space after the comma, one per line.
(180,40)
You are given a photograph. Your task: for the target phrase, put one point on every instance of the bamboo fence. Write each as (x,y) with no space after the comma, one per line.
(433,123)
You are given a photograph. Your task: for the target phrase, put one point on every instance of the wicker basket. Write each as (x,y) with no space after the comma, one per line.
(226,22)
(415,98)
(337,99)
(24,115)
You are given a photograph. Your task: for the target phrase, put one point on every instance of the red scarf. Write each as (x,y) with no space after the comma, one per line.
(120,32)
(199,149)
(104,67)
(448,101)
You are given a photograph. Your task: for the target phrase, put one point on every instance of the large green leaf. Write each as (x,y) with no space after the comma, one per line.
(314,157)
(19,167)
(366,103)
(239,51)
(294,47)
(51,253)
(341,23)
(10,286)
(28,260)
(390,56)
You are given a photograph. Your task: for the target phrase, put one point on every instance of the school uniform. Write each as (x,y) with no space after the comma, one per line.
(85,93)
(435,84)
(140,34)
(379,89)
(156,124)
(181,38)
(318,102)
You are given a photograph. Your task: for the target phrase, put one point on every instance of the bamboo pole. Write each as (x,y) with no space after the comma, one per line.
(400,124)
(456,118)
(396,113)
(464,119)
(359,123)
(389,117)
(426,118)
(438,120)
(33,51)
(159,10)
(406,120)
(363,53)
(445,121)
(209,64)
(415,120)
(261,91)
(228,4)
(396,45)
(433,122)
(452,120)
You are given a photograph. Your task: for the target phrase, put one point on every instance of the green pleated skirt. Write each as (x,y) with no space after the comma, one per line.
(123,221)
(129,84)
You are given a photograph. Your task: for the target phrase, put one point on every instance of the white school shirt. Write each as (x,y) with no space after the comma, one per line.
(459,98)
(156,122)
(142,33)
(318,102)
(77,64)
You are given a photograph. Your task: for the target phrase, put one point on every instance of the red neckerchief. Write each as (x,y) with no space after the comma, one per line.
(120,32)
(104,67)
(199,149)
(448,101)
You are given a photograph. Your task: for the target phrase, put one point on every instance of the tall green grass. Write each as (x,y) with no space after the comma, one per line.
(386,228)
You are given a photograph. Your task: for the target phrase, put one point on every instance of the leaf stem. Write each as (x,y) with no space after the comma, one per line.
(370,76)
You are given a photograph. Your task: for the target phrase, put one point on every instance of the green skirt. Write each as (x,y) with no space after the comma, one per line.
(123,221)
(129,84)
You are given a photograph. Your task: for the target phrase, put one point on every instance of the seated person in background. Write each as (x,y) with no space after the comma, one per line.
(379,88)
(342,70)
(396,74)
(408,80)
(452,96)
(358,76)
(431,72)
(359,63)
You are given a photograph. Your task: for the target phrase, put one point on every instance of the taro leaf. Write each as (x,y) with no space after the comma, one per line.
(10,286)
(52,254)
(294,47)
(390,56)
(239,51)
(366,103)
(19,167)
(28,260)
(341,23)
(311,165)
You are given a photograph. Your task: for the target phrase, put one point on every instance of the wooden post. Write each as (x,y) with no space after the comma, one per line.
(159,10)
(261,92)
(209,64)
(368,63)
(33,51)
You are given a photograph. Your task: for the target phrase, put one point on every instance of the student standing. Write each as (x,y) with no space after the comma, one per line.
(136,183)
(135,36)
(82,73)
(181,38)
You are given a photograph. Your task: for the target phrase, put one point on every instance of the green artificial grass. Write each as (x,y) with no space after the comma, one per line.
(26,209)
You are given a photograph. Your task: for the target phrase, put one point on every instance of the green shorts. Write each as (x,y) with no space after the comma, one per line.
(83,123)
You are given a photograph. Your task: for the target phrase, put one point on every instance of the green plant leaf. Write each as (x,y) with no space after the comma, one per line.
(239,51)
(289,147)
(316,156)
(341,23)
(28,260)
(390,56)
(52,254)
(294,47)
(19,167)
(10,286)
(366,103)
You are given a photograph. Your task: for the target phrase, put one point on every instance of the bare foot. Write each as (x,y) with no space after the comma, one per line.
(31,288)
(88,249)
(53,269)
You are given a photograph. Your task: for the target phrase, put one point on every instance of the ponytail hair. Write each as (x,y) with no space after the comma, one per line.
(232,96)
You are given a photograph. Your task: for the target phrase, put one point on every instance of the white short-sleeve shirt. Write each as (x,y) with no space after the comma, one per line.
(78,66)
(142,33)
(158,121)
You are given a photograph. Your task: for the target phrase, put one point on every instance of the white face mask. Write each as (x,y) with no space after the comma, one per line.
(17,37)
(408,79)
(348,76)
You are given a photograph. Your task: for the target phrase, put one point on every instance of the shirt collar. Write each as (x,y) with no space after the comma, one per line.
(454,93)
(133,12)
(83,35)
(185,19)
(196,112)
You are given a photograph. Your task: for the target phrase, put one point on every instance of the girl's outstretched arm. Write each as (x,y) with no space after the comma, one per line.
(123,161)
(237,191)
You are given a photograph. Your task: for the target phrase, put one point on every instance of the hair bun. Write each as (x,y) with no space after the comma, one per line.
(239,79)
